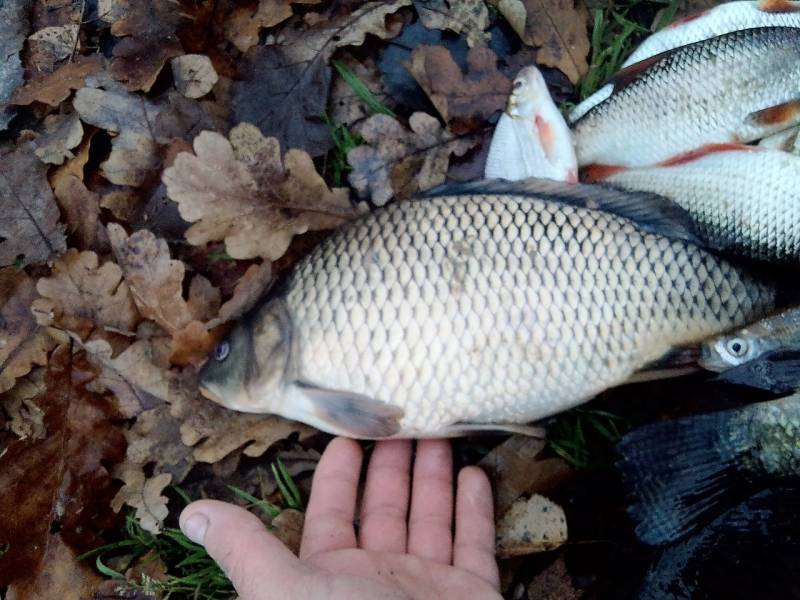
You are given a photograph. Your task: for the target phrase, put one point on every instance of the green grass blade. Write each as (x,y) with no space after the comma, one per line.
(107,571)
(287,486)
(361,90)
(266,507)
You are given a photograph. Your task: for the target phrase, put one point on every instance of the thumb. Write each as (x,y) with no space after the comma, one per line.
(257,563)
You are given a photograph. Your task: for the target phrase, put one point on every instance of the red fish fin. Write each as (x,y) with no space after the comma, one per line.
(788,112)
(597,172)
(693,155)
(778,6)
(630,73)
(546,135)
(687,19)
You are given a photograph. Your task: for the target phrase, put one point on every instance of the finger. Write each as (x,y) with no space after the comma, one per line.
(254,560)
(430,524)
(384,509)
(331,507)
(473,548)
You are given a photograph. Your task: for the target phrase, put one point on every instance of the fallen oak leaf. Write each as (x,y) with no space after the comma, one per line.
(29,227)
(558,28)
(82,295)
(143,494)
(13,27)
(243,25)
(284,87)
(50,45)
(62,133)
(53,88)
(22,343)
(248,291)
(468,17)
(465,100)
(397,162)
(25,418)
(531,525)
(242,192)
(194,75)
(81,209)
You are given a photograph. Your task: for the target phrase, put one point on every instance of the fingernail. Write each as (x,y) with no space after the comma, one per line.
(195,528)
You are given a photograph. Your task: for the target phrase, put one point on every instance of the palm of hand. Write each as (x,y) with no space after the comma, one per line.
(399,553)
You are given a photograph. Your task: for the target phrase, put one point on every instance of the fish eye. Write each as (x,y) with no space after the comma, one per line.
(737,347)
(221,351)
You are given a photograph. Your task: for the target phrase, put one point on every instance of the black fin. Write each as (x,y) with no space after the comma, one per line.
(675,363)
(352,415)
(650,212)
(682,473)
(750,551)
(777,372)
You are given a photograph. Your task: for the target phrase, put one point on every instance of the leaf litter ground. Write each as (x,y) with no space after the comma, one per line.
(162,164)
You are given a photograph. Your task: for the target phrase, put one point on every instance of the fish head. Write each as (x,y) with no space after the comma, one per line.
(245,372)
(728,351)
(529,93)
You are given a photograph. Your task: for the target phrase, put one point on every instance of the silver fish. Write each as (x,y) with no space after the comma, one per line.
(721,19)
(780,331)
(499,305)
(738,87)
(744,199)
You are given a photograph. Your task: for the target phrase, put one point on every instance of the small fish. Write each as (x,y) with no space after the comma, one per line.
(479,308)
(780,331)
(681,474)
(744,199)
(749,551)
(724,18)
(531,138)
(738,87)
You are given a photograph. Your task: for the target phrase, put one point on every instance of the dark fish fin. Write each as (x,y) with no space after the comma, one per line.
(750,551)
(679,474)
(462,429)
(650,212)
(676,362)
(778,6)
(624,77)
(353,415)
(781,115)
(777,372)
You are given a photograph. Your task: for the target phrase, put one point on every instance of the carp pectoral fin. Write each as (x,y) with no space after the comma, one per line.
(776,118)
(350,414)
(462,429)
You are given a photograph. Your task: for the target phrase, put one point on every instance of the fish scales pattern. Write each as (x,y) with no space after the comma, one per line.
(747,200)
(698,94)
(454,308)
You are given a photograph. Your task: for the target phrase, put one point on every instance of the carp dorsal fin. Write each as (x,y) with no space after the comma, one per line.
(350,414)
(650,212)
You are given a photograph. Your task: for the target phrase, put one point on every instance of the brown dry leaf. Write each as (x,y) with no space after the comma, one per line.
(125,204)
(50,45)
(60,572)
(346,107)
(73,167)
(61,134)
(194,75)
(465,100)
(149,41)
(241,191)
(192,344)
(155,439)
(285,85)
(533,525)
(60,479)
(26,419)
(29,227)
(82,295)
(54,88)
(81,209)
(250,288)
(134,151)
(215,431)
(243,25)
(515,470)
(399,162)
(155,279)
(470,17)
(554,583)
(144,495)
(22,343)
(558,28)
(288,528)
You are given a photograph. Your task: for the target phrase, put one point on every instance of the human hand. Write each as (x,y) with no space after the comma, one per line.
(399,553)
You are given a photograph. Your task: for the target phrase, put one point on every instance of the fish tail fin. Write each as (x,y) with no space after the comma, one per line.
(681,473)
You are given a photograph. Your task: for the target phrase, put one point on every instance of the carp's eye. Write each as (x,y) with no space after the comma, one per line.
(737,347)
(221,351)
